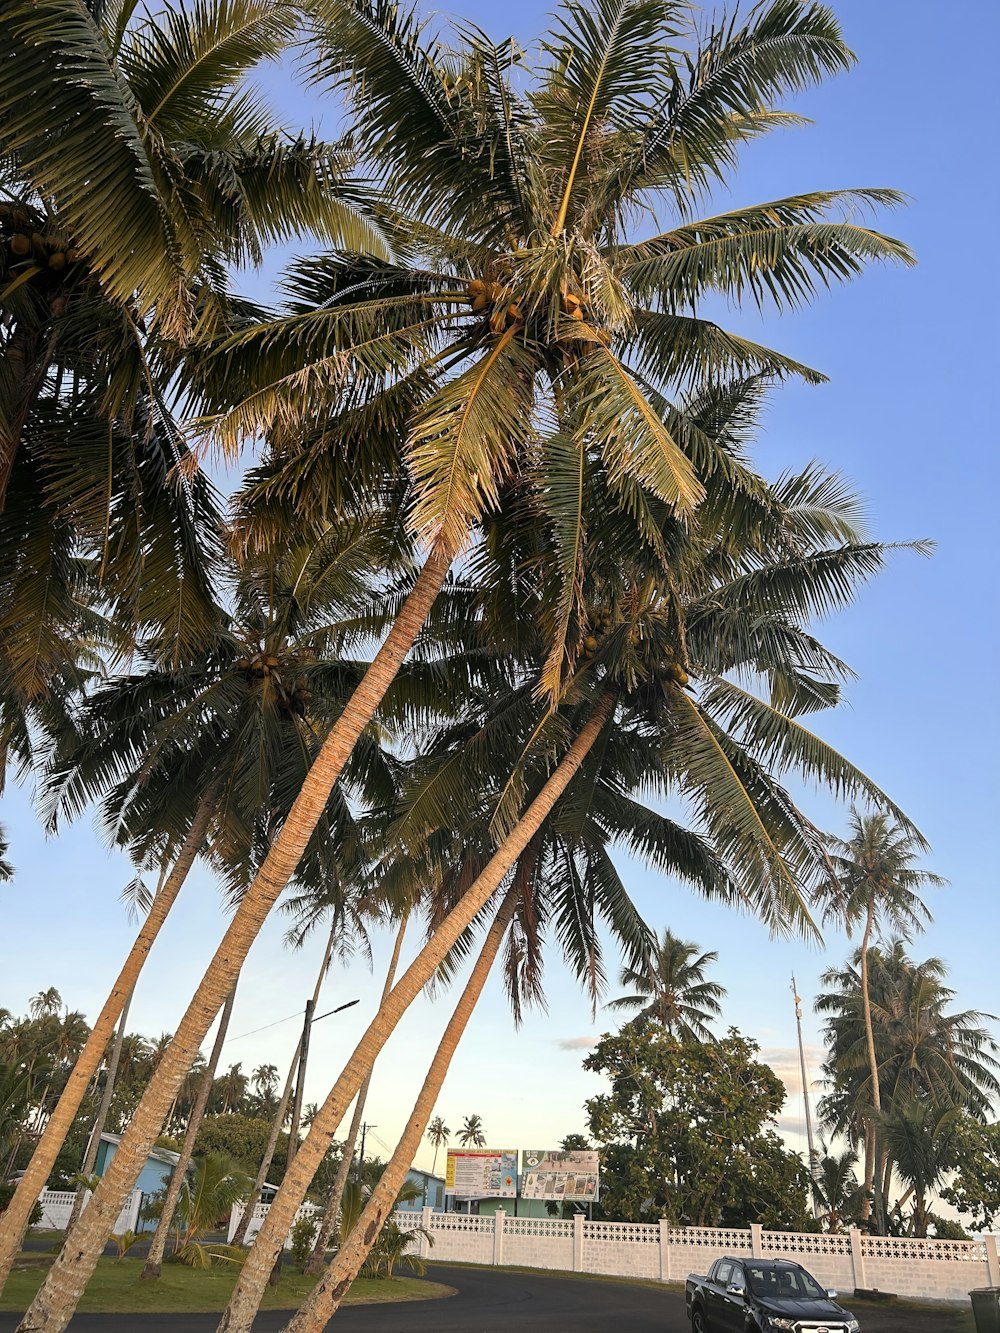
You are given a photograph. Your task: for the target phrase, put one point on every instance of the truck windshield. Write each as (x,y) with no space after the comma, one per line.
(793,1283)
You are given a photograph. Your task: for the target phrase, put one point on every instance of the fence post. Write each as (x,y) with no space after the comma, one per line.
(578,1242)
(664,1250)
(992,1264)
(425,1221)
(498,1221)
(857,1259)
(756,1240)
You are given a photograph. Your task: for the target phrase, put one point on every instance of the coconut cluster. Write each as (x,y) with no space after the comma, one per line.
(290,687)
(489,297)
(27,241)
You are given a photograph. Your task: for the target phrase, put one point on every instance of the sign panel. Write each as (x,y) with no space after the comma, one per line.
(570,1177)
(481,1173)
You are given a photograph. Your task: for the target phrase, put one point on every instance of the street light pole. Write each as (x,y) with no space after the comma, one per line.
(805,1096)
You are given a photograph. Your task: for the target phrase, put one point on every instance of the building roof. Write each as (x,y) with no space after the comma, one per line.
(164,1155)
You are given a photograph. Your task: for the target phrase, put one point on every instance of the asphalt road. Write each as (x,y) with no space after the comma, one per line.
(487,1302)
(500,1301)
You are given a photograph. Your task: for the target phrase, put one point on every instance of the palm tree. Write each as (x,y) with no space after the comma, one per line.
(525,345)
(925,1052)
(472,1132)
(838,1196)
(739,802)
(877,884)
(265,1079)
(235,1083)
(920,1139)
(439,1134)
(6,869)
(197,738)
(169,168)
(672,989)
(359,1238)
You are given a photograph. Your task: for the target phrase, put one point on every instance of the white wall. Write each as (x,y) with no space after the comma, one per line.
(57,1205)
(922,1269)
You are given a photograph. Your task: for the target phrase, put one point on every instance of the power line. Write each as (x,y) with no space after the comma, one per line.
(253,1032)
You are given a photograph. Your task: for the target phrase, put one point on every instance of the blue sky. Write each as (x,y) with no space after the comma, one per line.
(908,416)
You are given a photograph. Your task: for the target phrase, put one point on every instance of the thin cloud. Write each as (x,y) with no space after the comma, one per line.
(576,1043)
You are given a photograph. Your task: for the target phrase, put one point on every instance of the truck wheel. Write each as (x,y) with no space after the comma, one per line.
(698,1324)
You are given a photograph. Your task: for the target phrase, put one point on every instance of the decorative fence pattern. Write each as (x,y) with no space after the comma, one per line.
(57,1205)
(942,1270)
(258,1215)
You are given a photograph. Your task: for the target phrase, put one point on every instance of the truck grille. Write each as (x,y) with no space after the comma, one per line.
(811,1326)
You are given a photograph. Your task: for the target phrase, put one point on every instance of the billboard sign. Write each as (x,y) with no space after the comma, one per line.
(481,1173)
(570,1177)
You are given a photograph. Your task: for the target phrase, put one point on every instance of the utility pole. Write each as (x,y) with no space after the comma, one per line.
(805,1090)
(361,1149)
(300,1078)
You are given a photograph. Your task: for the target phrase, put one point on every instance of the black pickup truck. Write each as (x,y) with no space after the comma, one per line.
(761,1295)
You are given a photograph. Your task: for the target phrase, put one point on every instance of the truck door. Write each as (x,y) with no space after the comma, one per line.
(732,1316)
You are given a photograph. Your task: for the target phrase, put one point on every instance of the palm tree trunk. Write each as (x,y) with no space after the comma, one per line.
(331,1215)
(154,1260)
(57,1298)
(872,1059)
(15,1219)
(101,1119)
(326,1296)
(240,1234)
(24,379)
(253,1276)
(866,1205)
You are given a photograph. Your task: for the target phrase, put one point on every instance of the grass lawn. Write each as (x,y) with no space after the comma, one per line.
(116,1288)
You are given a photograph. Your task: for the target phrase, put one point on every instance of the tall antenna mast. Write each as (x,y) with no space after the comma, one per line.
(805,1085)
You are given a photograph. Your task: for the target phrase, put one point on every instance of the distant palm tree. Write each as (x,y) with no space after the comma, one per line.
(472,1132)
(878,885)
(6,869)
(439,1134)
(265,1079)
(838,1195)
(46,1004)
(672,989)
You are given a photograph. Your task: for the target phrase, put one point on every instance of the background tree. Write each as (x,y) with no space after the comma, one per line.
(689,1132)
(472,1133)
(672,990)
(877,885)
(928,1055)
(439,1134)
(838,1196)
(974,1189)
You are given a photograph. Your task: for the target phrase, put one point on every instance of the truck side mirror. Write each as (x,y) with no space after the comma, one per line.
(832,1295)
(734,1289)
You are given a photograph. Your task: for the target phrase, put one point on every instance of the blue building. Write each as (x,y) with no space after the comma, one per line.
(159,1163)
(431,1191)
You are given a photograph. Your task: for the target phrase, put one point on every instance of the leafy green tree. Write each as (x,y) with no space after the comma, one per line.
(689,1132)
(974,1189)
(671,989)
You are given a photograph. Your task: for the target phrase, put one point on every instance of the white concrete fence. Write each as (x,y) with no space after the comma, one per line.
(258,1215)
(943,1270)
(57,1205)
